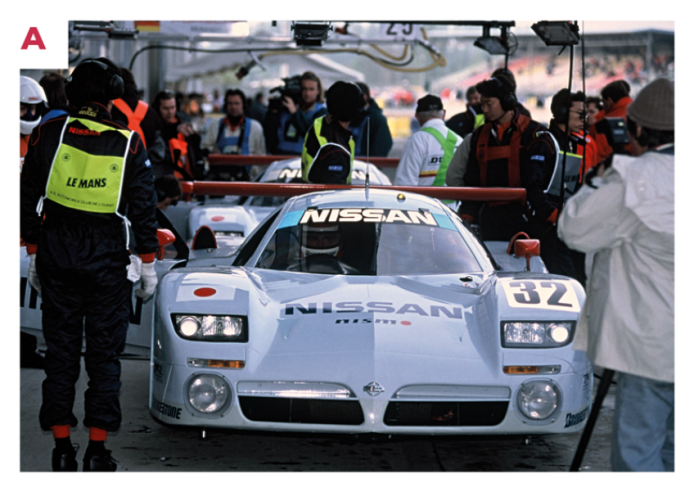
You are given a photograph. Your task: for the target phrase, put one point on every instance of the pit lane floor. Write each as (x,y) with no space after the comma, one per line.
(144,444)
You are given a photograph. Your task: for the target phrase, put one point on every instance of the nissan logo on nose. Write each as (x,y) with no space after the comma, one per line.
(374,389)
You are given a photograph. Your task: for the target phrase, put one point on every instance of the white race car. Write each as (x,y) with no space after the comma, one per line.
(370,311)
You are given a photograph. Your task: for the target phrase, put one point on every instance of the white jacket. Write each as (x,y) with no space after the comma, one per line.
(627,323)
(421,156)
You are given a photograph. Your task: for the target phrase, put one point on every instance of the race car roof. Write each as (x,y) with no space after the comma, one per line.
(362,198)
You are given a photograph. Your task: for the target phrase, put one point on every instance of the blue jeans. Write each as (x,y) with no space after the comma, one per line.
(643,432)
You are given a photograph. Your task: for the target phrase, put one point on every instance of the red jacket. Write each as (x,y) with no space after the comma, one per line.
(618,110)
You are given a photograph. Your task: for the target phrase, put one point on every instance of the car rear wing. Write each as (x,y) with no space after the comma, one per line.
(218,161)
(244,188)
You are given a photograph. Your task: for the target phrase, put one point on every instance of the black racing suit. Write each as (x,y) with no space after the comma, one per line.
(533,150)
(81,260)
(572,144)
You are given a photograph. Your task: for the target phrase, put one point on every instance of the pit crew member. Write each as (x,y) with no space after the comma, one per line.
(428,152)
(84,177)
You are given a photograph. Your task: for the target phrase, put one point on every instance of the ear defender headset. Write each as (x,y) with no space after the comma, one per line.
(507,98)
(112,83)
(562,113)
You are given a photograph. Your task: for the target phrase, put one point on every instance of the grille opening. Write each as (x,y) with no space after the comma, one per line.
(442,414)
(301,410)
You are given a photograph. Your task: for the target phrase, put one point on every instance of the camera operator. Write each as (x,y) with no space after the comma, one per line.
(615,99)
(286,123)
(625,216)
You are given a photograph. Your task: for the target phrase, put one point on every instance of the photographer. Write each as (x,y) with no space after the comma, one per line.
(625,216)
(615,99)
(286,125)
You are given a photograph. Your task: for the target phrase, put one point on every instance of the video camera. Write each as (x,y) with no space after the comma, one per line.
(615,129)
(291,88)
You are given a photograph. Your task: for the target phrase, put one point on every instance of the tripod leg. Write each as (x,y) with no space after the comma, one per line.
(588,430)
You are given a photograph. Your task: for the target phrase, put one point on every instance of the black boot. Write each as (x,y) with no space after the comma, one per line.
(99,460)
(64,458)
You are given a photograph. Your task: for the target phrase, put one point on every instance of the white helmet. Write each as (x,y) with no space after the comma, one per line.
(320,240)
(30,93)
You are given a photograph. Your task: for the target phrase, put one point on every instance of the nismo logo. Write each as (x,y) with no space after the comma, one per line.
(314,216)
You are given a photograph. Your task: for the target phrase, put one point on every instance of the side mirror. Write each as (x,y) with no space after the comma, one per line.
(165,237)
(526,248)
(187,189)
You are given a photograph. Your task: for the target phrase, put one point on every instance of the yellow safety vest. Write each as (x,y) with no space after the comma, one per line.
(85,181)
(448,144)
(307,159)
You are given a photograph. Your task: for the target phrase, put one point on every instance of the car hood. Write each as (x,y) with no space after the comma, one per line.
(430,327)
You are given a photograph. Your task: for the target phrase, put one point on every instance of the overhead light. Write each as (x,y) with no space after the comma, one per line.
(311,33)
(492,45)
(557,33)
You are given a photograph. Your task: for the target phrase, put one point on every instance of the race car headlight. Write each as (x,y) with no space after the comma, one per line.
(208,393)
(529,334)
(211,328)
(538,399)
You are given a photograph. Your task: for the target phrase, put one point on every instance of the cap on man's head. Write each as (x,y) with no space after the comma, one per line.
(654,107)
(429,103)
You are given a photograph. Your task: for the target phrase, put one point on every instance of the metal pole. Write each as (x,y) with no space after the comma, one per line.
(588,430)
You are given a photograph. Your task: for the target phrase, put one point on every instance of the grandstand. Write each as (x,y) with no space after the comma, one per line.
(541,71)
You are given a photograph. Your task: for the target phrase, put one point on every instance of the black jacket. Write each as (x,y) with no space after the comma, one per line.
(380,139)
(138,199)
(464,123)
(333,165)
(537,157)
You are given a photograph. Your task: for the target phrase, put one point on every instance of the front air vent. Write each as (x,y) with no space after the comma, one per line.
(446,414)
(301,410)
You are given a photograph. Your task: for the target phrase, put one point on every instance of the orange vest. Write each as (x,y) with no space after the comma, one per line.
(134,118)
(589,155)
(510,152)
(23,144)
(179,156)
(602,147)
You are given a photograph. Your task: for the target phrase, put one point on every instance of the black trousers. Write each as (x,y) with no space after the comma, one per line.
(85,291)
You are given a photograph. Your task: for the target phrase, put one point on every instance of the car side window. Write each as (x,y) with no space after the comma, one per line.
(249,246)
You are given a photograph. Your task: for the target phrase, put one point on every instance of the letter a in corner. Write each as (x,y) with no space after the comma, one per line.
(33,38)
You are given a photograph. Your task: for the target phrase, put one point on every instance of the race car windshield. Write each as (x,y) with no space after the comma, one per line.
(370,248)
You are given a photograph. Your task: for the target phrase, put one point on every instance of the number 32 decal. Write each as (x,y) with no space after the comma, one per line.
(546,294)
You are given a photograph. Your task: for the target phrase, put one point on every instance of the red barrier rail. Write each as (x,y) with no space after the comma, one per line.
(244,188)
(219,160)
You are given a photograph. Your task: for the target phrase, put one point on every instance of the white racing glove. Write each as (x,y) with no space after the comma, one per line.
(148,281)
(33,275)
